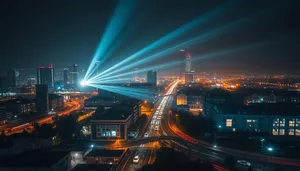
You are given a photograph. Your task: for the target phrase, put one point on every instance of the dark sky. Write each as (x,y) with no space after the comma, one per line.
(63,32)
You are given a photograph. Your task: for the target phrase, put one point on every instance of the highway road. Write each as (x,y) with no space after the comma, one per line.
(74,105)
(147,155)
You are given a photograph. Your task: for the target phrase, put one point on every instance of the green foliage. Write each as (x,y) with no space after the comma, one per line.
(67,127)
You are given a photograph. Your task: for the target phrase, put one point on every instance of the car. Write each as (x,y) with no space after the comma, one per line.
(244,163)
(153,122)
(146,134)
(157,122)
(156,128)
(136,159)
(154,116)
(142,145)
(159,117)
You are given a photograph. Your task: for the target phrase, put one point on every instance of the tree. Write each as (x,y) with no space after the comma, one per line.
(3,133)
(36,126)
(67,127)
(46,130)
(142,120)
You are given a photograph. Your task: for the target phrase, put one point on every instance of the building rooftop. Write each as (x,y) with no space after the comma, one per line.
(106,153)
(260,109)
(92,167)
(33,159)
(117,112)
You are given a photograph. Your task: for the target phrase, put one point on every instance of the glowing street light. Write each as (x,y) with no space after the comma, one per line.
(270,149)
(92,145)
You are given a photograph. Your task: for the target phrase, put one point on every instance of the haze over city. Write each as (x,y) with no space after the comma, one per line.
(149,85)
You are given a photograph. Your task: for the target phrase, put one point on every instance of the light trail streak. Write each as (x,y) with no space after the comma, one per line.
(176,33)
(119,19)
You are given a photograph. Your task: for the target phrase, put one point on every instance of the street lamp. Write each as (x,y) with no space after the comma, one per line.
(92,145)
(270,149)
(262,142)
(220,126)
(215,146)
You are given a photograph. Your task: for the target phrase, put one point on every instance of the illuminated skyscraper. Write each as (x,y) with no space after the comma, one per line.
(188,75)
(45,75)
(188,63)
(152,77)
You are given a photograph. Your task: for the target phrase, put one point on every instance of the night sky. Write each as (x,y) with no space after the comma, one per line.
(39,32)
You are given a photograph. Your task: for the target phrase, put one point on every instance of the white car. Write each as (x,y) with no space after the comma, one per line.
(146,134)
(157,122)
(154,116)
(156,128)
(136,159)
(159,117)
(153,122)
(244,163)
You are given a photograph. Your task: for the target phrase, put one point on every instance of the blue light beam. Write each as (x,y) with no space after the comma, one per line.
(178,62)
(114,27)
(176,33)
(200,39)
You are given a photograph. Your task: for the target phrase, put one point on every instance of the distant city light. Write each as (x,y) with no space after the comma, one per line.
(270,149)
(92,145)
(219,126)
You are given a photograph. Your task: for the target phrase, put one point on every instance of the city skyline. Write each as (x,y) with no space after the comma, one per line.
(67,40)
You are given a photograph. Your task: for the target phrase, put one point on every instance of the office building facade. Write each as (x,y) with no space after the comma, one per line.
(45,75)
(42,100)
(152,77)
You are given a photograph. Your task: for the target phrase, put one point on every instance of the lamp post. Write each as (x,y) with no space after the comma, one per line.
(262,142)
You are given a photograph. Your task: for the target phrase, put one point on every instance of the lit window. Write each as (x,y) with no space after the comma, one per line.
(113,133)
(291,132)
(297,132)
(275,132)
(228,122)
(292,123)
(275,122)
(281,132)
(249,120)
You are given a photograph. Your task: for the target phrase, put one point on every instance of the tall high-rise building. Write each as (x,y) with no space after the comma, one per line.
(188,64)
(152,77)
(3,86)
(188,75)
(73,75)
(45,75)
(42,98)
(11,78)
(66,73)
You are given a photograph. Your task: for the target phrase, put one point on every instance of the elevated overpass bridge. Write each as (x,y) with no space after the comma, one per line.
(155,139)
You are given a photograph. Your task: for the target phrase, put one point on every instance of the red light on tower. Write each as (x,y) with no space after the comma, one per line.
(188,55)
(51,66)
